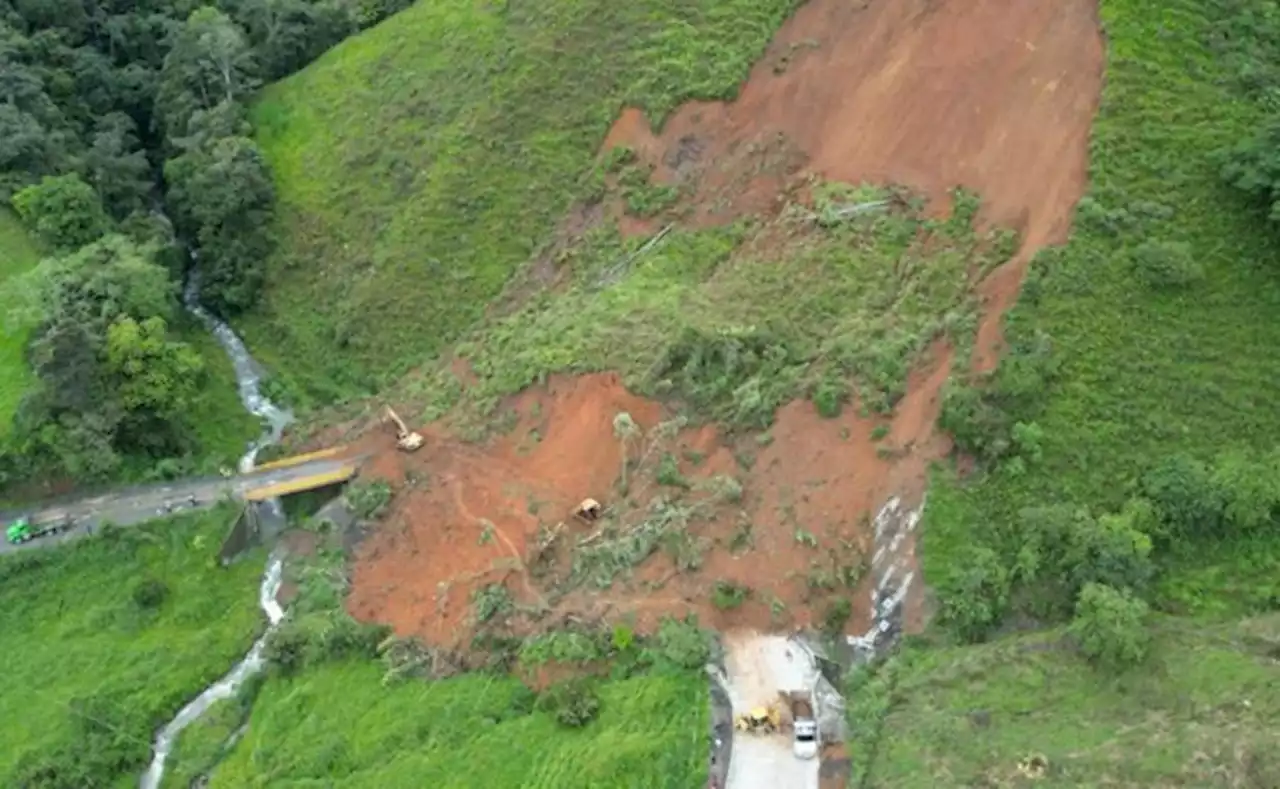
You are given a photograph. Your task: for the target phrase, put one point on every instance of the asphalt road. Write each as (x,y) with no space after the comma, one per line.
(135,505)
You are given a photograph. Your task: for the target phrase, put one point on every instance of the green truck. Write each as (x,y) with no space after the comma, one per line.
(23,530)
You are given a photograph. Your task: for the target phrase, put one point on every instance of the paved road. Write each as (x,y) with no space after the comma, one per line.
(135,505)
(758,666)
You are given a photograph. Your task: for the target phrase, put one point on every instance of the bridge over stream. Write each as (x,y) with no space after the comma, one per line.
(130,506)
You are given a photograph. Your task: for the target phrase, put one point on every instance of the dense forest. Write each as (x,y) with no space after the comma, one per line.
(125,149)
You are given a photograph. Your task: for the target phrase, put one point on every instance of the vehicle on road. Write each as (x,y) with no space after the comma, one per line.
(804,725)
(23,530)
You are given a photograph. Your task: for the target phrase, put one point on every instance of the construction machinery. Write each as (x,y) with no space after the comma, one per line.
(589,511)
(406,439)
(760,720)
(23,530)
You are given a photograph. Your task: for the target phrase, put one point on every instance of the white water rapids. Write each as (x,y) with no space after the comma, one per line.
(248,381)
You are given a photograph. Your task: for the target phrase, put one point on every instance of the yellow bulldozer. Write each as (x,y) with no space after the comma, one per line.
(762,720)
(406,439)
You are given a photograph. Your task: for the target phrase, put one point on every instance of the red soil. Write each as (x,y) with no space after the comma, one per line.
(994,95)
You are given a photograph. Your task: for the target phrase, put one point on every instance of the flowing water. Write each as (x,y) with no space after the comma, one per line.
(248,380)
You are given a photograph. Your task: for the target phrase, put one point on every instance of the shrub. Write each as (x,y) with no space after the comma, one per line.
(574,702)
(727,595)
(829,397)
(975,596)
(836,616)
(1109,626)
(1166,265)
(1185,497)
(681,643)
(491,601)
(149,594)
(368,499)
(1250,490)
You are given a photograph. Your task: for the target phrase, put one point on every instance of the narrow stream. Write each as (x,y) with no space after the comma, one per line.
(248,379)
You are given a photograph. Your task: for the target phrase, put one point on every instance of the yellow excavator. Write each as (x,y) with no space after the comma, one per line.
(406,439)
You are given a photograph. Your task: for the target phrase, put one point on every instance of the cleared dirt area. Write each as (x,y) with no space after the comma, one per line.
(794,530)
(993,95)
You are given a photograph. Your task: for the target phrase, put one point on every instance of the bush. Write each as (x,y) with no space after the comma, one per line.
(149,594)
(1166,265)
(319,638)
(574,703)
(681,644)
(727,595)
(829,397)
(491,601)
(1187,500)
(836,616)
(1109,626)
(975,597)
(368,500)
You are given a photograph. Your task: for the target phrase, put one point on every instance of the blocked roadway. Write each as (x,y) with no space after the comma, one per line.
(136,505)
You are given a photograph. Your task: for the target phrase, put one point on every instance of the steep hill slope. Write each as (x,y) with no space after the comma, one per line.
(423,161)
(1201,712)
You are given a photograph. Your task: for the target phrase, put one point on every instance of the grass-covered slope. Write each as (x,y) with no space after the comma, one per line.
(1204,712)
(106,639)
(339,725)
(420,163)
(18,255)
(1158,354)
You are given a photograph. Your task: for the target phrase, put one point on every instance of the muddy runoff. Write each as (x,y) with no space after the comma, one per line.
(248,381)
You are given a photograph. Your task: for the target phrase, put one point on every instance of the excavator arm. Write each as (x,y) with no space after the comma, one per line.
(406,439)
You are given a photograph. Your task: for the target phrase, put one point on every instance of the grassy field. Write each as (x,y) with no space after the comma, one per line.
(339,723)
(1204,712)
(420,163)
(106,639)
(18,254)
(1147,368)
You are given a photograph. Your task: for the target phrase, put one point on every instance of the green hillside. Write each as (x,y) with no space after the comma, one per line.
(1203,712)
(420,163)
(105,640)
(1160,316)
(340,723)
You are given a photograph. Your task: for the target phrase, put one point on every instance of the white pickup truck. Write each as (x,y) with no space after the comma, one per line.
(804,725)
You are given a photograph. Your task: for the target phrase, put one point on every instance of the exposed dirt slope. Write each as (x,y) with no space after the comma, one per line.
(994,95)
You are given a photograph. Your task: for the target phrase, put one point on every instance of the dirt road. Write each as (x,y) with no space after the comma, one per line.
(757,667)
(135,505)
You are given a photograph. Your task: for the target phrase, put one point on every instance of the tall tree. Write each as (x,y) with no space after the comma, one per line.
(63,210)
(210,62)
(222,195)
